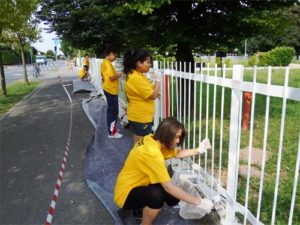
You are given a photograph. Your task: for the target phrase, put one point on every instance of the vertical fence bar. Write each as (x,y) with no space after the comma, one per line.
(189,109)
(180,91)
(264,147)
(169,89)
(213,128)
(162,88)
(207,113)
(250,145)
(280,145)
(200,115)
(239,144)
(236,94)
(297,168)
(195,100)
(184,98)
(221,126)
(176,88)
(180,96)
(157,101)
(172,88)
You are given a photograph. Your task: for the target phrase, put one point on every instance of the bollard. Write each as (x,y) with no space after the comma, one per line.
(247,103)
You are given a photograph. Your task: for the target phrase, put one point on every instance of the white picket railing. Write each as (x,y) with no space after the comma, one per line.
(205,117)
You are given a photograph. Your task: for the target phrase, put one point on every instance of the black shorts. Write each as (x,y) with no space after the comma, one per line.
(153,196)
(141,129)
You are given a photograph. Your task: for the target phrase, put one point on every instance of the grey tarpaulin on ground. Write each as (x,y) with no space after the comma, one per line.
(82,86)
(103,161)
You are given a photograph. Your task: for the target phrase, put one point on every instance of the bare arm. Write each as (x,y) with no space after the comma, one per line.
(115,76)
(156,90)
(186,153)
(180,194)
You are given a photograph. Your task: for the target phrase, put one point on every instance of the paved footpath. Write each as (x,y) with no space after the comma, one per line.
(33,137)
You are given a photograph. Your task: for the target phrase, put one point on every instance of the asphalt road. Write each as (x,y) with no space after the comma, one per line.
(15,72)
(33,137)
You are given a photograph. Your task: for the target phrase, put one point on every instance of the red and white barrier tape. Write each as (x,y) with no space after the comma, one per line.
(62,168)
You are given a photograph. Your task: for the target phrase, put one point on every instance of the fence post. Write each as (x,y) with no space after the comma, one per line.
(233,155)
(157,103)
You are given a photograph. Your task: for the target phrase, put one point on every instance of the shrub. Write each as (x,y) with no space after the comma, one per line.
(218,61)
(263,58)
(228,62)
(281,56)
(253,60)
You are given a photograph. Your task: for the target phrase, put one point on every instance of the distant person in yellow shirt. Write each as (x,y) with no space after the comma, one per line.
(84,74)
(110,78)
(86,61)
(140,92)
(144,181)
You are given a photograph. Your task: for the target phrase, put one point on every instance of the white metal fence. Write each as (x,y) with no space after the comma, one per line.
(253,173)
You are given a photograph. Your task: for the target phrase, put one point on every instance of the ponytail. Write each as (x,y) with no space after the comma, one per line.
(131,58)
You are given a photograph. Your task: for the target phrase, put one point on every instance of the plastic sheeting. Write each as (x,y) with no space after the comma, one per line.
(104,159)
(82,86)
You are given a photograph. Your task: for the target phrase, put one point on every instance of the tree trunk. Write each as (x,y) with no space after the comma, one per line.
(23,60)
(184,57)
(3,83)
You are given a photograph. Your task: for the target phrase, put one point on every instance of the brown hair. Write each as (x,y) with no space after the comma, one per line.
(166,131)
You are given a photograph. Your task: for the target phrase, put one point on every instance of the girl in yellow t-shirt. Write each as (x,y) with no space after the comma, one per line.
(110,78)
(84,74)
(140,92)
(144,181)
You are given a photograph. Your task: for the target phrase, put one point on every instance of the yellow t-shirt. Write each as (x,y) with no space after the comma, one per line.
(86,62)
(82,72)
(144,165)
(138,89)
(107,70)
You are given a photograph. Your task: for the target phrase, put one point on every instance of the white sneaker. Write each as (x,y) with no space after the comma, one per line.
(116,135)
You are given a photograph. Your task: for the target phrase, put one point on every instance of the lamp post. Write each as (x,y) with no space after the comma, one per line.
(245,54)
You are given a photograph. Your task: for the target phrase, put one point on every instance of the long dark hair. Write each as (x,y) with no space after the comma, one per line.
(166,131)
(131,58)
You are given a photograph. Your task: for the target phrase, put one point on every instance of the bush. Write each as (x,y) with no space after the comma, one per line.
(228,62)
(253,60)
(218,61)
(263,58)
(281,56)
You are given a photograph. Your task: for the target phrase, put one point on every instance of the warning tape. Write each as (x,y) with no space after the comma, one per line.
(63,165)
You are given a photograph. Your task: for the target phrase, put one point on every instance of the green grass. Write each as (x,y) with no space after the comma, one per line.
(16,91)
(290,143)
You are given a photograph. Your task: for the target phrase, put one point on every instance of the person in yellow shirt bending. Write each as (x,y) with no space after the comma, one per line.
(86,61)
(140,92)
(84,74)
(110,78)
(144,181)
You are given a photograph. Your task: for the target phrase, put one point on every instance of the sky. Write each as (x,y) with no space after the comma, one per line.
(46,43)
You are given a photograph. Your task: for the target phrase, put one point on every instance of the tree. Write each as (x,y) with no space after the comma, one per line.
(17,26)
(50,54)
(188,24)
(286,22)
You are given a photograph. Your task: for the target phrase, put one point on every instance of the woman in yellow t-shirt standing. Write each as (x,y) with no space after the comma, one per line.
(110,78)
(144,181)
(140,92)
